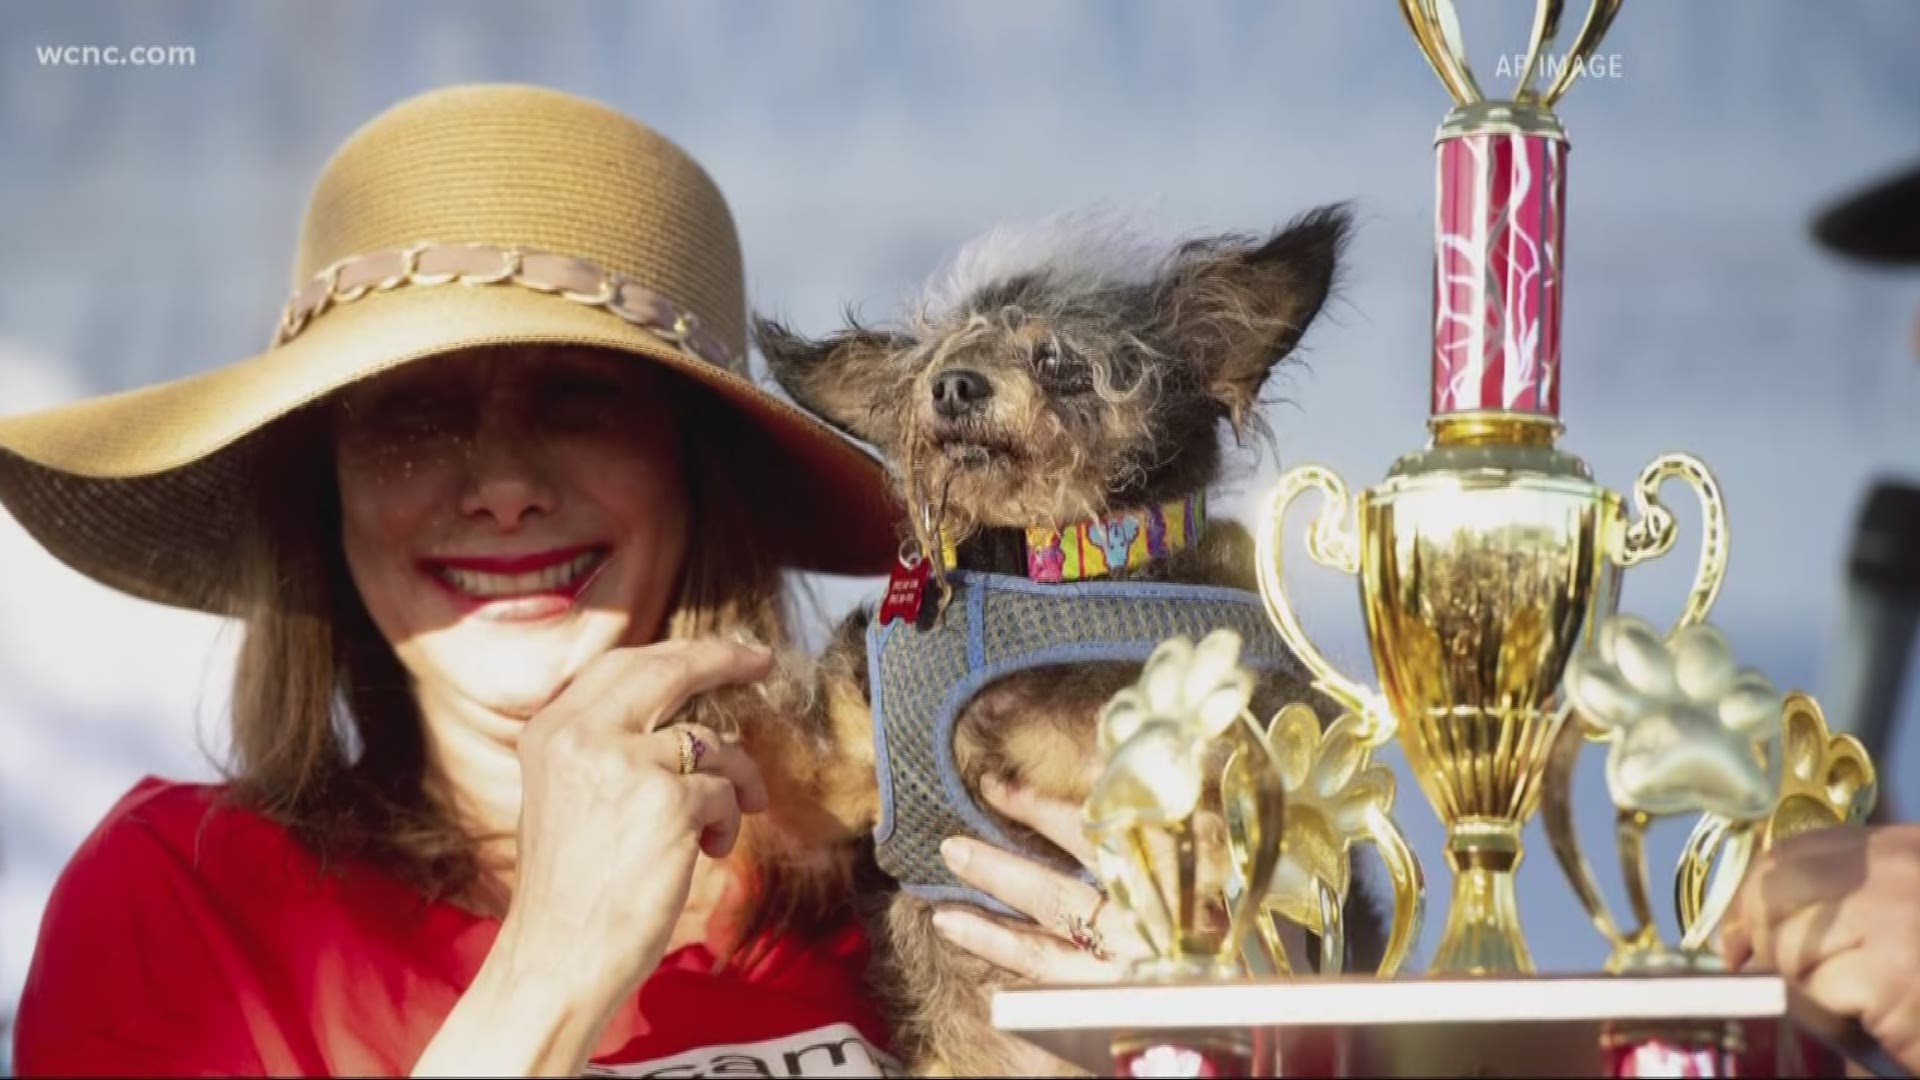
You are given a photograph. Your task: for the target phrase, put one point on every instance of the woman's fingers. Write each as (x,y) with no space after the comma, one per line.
(1804,940)
(718,758)
(1735,944)
(1050,898)
(1024,950)
(1060,822)
(1831,870)
(1802,870)
(1834,911)
(716,813)
(644,687)
(1841,982)
(1056,819)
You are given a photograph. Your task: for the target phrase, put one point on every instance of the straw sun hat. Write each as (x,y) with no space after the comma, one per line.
(467,216)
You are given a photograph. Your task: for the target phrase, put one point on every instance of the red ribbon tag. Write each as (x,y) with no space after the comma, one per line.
(906,588)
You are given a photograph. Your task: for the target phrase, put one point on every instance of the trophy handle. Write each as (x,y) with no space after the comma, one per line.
(1599,17)
(1546,27)
(1695,869)
(1630,835)
(1268,923)
(1409,908)
(1332,542)
(1556,814)
(1653,534)
(1409,891)
(1333,933)
(1436,28)
(1630,832)
(1703,894)
(1254,801)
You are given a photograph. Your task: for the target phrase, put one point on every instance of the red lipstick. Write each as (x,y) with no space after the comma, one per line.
(500,601)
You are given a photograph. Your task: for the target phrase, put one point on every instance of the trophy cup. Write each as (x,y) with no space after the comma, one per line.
(1485,559)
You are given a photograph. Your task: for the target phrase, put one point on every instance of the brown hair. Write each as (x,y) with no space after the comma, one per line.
(327,738)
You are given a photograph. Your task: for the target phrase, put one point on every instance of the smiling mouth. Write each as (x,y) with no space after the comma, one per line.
(549,582)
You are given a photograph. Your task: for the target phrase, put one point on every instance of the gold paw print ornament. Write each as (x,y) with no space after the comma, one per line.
(1688,732)
(1185,815)
(1336,797)
(1825,780)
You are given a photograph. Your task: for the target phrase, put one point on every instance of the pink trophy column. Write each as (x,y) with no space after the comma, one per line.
(1496,280)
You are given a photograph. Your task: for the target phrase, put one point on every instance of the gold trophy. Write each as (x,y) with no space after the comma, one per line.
(1185,813)
(1486,559)
(1688,733)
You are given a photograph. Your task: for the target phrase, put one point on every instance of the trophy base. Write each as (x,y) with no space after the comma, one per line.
(1535,1026)
(1184,1053)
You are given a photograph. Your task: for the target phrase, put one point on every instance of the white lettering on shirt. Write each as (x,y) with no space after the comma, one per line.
(833,1050)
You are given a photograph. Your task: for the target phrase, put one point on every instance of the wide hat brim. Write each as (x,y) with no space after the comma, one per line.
(1879,224)
(148,490)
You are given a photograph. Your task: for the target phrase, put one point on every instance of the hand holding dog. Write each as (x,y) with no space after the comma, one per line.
(1837,912)
(1044,950)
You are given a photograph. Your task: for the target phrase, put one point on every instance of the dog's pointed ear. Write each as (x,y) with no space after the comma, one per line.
(1242,305)
(843,378)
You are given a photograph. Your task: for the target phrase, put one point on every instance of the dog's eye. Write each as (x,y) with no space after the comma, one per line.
(1047,358)
(1059,371)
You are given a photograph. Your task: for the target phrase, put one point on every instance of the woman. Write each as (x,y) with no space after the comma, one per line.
(506,523)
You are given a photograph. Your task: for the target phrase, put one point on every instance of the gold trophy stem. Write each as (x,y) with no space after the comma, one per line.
(1483,922)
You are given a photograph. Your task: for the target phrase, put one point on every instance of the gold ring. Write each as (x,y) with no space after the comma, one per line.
(692,749)
(1085,934)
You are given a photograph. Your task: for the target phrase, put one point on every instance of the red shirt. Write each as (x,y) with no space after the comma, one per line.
(187,940)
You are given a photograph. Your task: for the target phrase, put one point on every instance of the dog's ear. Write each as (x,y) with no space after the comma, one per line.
(843,378)
(1241,305)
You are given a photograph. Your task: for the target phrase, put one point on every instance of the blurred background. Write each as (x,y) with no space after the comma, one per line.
(148,216)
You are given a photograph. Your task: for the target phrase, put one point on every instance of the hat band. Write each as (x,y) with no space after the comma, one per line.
(431,263)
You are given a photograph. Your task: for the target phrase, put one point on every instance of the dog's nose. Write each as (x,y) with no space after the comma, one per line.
(959,391)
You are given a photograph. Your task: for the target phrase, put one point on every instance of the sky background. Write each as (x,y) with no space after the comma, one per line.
(148,216)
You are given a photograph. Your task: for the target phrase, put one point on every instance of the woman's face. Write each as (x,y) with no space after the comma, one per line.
(510,513)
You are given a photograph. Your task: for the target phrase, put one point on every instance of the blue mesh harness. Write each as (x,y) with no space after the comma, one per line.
(996,625)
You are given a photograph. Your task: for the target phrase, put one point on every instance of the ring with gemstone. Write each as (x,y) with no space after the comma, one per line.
(692,749)
(1085,934)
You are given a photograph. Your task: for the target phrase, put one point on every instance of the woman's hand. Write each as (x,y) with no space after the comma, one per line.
(1837,912)
(1043,951)
(611,827)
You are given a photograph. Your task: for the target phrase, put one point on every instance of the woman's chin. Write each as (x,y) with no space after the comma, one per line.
(516,672)
(513,696)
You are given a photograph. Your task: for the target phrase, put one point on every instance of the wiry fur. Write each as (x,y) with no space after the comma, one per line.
(1108,369)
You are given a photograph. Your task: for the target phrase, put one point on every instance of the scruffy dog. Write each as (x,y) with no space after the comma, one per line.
(1051,377)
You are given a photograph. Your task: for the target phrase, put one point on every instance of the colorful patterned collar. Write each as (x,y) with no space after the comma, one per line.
(1122,540)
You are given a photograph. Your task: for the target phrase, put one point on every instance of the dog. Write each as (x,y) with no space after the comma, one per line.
(1064,383)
